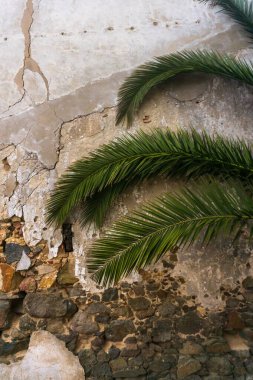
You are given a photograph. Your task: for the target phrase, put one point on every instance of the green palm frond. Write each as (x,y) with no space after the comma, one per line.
(170,221)
(96,181)
(145,77)
(239,10)
(95,207)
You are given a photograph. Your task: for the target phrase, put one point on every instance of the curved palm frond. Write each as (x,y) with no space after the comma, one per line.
(239,10)
(168,222)
(97,180)
(95,207)
(145,77)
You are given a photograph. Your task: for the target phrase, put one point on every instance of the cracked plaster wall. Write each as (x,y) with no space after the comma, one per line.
(61,66)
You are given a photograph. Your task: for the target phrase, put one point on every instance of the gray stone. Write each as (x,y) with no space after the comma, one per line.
(217,345)
(249,365)
(13,252)
(159,365)
(187,366)
(82,324)
(248,282)
(42,305)
(10,348)
(102,371)
(162,331)
(117,330)
(167,309)
(190,323)
(219,365)
(114,352)
(110,294)
(97,308)
(87,360)
(139,303)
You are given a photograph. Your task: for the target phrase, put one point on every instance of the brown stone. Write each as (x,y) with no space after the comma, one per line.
(191,348)
(9,280)
(28,285)
(187,366)
(235,321)
(217,345)
(42,305)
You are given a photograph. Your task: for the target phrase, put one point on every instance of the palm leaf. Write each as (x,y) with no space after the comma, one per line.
(239,10)
(144,78)
(170,221)
(95,182)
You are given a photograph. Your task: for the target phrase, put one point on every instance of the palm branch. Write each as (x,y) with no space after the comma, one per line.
(145,77)
(96,181)
(239,10)
(168,222)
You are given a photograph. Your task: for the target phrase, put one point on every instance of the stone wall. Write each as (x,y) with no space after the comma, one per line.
(191,315)
(146,329)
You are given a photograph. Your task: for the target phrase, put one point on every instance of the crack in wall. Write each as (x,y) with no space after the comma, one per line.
(28,62)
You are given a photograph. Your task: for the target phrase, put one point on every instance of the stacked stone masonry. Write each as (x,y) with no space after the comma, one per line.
(148,329)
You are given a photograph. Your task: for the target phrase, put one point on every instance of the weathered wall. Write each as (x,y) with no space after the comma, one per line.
(62,63)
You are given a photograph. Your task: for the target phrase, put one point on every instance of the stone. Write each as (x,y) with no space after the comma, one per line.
(139,303)
(42,305)
(249,365)
(14,252)
(159,365)
(110,294)
(143,314)
(12,347)
(87,360)
(114,352)
(131,350)
(4,314)
(117,330)
(47,281)
(66,276)
(102,371)
(44,269)
(187,366)
(234,321)
(24,263)
(219,365)
(26,323)
(190,323)
(191,348)
(122,311)
(161,331)
(28,285)
(8,278)
(248,282)
(82,324)
(167,309)
(97,308)
(46,358)
(217,345)
(118,364)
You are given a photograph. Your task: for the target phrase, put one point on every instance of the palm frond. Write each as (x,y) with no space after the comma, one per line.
(97,180)
(168,222)
(145,77)
(95,207)
(239,10)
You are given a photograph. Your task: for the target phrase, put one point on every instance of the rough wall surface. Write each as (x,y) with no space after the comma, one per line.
(62,63)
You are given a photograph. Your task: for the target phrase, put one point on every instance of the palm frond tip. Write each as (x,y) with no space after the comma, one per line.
(144,78)
(96,181)
(170,221)
(240,11)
